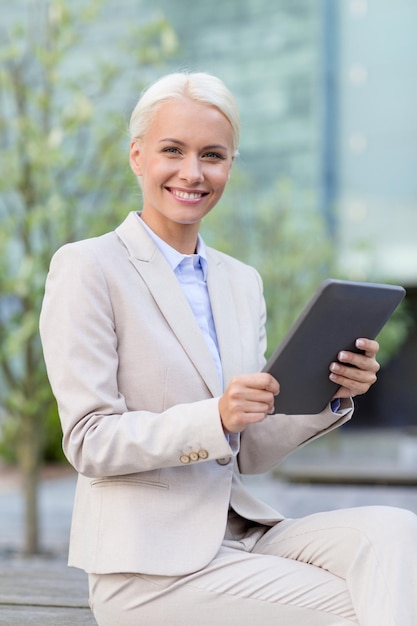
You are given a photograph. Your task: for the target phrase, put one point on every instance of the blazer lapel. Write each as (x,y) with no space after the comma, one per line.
(167,293)
(226,317)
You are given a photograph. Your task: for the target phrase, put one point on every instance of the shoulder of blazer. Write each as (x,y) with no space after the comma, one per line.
(130,235)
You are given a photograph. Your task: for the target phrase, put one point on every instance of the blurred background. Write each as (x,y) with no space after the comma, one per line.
(325,184)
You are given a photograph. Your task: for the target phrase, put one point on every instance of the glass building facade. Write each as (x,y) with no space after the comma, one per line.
(328,93)
(377,144)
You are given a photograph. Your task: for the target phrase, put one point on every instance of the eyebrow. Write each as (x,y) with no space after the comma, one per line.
(215,146)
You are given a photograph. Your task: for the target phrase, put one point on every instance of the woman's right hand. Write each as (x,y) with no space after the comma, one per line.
(247,400)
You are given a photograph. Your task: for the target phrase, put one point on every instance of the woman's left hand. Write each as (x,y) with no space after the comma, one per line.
(355,380)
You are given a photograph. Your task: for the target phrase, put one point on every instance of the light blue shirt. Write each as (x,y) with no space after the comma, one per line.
(191,272)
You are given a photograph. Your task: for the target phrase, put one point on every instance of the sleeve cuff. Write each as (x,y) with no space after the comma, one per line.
(335,405)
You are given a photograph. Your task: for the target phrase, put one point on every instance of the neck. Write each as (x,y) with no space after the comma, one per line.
(182,237)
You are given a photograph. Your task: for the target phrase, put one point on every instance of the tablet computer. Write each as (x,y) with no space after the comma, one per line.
(339,313)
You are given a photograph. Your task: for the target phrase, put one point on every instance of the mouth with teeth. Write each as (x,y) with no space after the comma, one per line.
(188,196)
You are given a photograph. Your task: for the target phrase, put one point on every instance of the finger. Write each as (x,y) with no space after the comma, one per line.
(345,373)
(356,387)
(257,407)
(360,361)
(369,347)
(260,381)
(265,381)
(272,409)
(351,391)
(247,395)
(350,387)
(242,400)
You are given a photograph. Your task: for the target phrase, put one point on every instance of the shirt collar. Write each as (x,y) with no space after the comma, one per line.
(173,257)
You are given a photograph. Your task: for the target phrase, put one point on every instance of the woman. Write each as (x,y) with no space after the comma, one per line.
(154,345)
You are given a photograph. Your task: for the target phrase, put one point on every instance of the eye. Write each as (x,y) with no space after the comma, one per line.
(171,150)
(214,156)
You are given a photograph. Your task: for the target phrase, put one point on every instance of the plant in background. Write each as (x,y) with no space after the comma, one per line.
(64,176)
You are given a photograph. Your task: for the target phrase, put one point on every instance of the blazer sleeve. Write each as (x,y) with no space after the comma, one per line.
(101,436)
(265,444)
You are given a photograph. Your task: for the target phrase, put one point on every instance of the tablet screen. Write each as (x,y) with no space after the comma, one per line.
(339,313)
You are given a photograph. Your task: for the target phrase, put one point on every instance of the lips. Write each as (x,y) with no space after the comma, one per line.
(187,195)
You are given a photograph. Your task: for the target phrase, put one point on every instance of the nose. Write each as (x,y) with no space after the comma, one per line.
(191,169)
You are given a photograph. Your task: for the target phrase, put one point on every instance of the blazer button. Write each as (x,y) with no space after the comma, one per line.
(184,458)
(224,460)
(203,454)
(193,456)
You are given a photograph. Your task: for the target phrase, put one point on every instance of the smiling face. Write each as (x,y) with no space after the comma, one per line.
(184,162)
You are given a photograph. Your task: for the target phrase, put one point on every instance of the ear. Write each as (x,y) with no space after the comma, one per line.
(135,158)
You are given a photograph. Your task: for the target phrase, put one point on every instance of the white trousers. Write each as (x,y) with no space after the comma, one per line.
(339,568)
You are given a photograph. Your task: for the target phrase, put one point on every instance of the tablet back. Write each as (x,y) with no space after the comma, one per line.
(339,313)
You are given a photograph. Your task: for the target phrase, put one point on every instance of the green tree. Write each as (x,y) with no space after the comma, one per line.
(63,176)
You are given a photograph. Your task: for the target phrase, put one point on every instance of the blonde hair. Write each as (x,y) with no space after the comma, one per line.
(197,86)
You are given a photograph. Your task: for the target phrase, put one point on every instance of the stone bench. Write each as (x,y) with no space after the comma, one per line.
(43,591)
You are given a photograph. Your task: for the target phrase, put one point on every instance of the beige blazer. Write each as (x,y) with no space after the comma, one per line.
(137,394)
